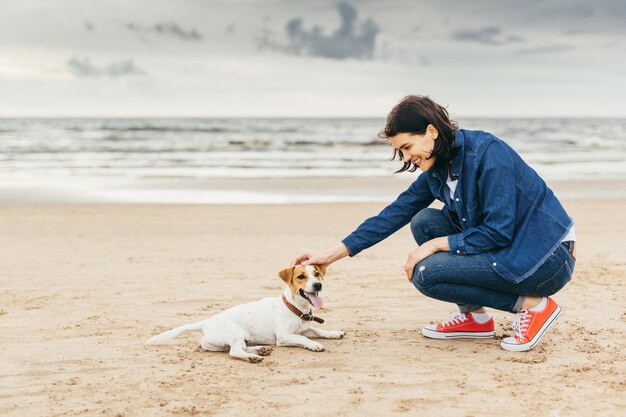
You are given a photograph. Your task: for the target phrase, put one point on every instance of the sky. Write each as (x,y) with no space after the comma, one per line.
(290,58)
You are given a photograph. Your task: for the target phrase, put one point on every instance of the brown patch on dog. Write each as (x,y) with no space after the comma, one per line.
(291,278)
(322,270)
(286,274)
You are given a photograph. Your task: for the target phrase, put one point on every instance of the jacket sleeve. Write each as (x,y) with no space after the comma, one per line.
(496,192)
(391,218)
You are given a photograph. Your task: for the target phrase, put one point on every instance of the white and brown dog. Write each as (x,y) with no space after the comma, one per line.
(282,321)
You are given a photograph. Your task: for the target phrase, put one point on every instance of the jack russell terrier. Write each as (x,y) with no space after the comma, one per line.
(282,321)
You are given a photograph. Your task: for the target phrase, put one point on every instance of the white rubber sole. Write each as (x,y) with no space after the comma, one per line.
(514,347)
(433,334)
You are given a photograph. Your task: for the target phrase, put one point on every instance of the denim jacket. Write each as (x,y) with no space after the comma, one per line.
(506,211)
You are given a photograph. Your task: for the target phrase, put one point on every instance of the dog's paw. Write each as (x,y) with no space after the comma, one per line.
(264,351)
(254,359)
(315,347)
(336,334)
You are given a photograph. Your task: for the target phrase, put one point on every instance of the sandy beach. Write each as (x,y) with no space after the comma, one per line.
(84,285)
(163,161)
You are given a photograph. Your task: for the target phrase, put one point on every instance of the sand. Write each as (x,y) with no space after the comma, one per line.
(83,286)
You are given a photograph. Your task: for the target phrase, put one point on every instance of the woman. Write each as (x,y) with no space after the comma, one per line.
(502,240)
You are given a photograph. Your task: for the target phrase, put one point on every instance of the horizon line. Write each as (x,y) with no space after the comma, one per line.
(192,116)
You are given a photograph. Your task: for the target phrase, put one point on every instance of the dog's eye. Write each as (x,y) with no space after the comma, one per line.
(317,274)
(301,277)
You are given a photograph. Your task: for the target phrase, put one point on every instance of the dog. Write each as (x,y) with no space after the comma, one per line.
(282,321)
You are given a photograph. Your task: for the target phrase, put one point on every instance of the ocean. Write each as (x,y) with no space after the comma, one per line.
(113,157)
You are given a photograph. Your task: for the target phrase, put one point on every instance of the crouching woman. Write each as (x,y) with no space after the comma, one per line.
(502,240)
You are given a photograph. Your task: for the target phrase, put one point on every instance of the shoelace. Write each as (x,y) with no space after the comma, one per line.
(520,324)
(454,318)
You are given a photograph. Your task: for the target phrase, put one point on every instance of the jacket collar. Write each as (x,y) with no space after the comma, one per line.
(441,171)
(459,147)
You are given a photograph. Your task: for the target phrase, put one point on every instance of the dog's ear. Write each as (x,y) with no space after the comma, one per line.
(321,269)
(286,274)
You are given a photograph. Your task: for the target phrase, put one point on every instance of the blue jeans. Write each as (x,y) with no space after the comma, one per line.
(469,280)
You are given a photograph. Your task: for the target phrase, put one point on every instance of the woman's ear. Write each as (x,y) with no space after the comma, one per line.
(434,133)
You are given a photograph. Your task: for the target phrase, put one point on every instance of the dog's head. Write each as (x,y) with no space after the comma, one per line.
(305,282)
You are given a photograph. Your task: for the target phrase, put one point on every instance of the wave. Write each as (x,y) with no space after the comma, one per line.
(178,129)
(167,129)
(277,147)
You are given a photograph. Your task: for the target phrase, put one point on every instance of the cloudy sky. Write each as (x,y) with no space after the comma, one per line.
(311,58)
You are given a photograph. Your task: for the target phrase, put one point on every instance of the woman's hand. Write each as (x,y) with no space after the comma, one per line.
(424,251)
(324,259)
(308,258)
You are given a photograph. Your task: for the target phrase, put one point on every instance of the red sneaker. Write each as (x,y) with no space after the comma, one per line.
(530,326)
(459,326)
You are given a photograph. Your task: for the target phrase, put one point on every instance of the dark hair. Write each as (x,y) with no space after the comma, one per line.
(413,115)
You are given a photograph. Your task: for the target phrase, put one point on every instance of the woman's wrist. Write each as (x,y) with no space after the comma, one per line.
(336,253)
(440,244)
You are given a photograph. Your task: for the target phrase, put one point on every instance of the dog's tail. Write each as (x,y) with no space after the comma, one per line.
(171,334)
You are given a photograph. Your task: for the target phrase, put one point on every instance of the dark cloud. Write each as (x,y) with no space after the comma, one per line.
(172,29)
(169,29)
(489,35)
(139,31)
(350,40)
(83,67)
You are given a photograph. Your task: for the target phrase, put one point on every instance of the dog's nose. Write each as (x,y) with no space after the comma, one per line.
(317,286)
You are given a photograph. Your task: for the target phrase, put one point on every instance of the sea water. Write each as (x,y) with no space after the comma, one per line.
(103,156)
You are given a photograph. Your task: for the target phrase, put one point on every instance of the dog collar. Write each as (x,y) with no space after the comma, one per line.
(304,316)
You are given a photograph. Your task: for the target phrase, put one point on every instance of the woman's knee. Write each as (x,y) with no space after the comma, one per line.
(420,279)
(420,224)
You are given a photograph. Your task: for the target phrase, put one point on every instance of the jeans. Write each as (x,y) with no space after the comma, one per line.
(470,281)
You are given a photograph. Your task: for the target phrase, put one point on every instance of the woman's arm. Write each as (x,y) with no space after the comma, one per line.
(392,218)
(377,228)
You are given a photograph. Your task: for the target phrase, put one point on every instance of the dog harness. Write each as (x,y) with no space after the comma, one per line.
(304,316)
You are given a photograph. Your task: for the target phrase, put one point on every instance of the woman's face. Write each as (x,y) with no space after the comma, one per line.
(417,148)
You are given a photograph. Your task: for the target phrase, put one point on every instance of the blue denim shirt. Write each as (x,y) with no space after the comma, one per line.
(506,211)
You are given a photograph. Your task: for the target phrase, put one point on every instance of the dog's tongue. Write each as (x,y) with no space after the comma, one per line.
(316,300)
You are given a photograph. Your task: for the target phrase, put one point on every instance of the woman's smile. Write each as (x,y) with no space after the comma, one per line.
(416,148)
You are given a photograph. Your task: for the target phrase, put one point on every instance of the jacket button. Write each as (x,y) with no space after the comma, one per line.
(458,251)
(463,218)
(494,264)
(457,199)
